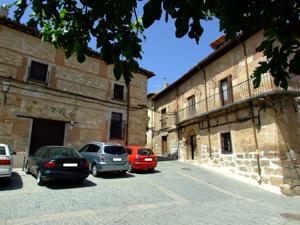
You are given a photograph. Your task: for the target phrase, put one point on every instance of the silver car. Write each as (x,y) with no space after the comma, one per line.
(105,157)
(6,161)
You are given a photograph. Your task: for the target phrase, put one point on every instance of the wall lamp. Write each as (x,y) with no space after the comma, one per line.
(5,89)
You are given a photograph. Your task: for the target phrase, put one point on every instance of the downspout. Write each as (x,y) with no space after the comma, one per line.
(252,115)
(208,120)
(127,110)
(177,127)
(152,123)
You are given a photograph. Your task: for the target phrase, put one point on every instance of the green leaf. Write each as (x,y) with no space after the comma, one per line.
(295,64)
(118,70)
(182,26)
(152,12)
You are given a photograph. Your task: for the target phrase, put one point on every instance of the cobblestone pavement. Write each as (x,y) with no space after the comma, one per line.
(177,193)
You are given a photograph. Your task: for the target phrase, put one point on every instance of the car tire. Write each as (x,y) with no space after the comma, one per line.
(39,179)
(95,172)
(27,170)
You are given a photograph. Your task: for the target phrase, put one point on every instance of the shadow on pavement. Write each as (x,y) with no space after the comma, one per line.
(14,183)
(166,158)
(146,172)
(69,184)
(115,175)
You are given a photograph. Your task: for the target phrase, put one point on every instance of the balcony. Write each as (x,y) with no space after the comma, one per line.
(239,93)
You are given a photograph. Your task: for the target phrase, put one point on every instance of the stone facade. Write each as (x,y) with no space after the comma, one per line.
(261,126)
(78,94)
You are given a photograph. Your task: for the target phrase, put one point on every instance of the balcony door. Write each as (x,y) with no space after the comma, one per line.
(226,91)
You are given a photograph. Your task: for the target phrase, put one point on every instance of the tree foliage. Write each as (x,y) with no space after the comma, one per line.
(70,24)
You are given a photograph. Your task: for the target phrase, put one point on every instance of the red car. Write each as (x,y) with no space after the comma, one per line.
(141,158)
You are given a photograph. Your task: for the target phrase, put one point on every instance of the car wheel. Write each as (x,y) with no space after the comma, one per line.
(27,170)
(95,172)
(39,179)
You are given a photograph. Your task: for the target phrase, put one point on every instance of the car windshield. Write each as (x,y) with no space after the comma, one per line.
(116,150)
(145,152)
(62,151)
(2,150)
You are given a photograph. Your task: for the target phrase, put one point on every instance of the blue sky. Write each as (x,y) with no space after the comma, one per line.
(167,56)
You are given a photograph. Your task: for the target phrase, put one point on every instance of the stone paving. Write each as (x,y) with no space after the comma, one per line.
(176,193)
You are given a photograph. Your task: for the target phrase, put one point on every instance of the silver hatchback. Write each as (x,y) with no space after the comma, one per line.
(105,157)
(6,161)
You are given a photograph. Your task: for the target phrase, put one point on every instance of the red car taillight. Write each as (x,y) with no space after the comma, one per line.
(85,164)
(4,162)
(50,165)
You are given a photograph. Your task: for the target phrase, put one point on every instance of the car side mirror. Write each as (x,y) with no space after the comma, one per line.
(14,153)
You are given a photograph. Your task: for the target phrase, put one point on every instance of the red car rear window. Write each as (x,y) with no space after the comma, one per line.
(145,152)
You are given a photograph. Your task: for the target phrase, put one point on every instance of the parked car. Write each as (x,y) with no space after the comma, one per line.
(57,163)
(6,161)
(105,157)
(141,158)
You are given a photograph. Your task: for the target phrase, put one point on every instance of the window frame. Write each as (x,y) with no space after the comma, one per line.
(114,97)
(191,107)
(28,71)
(122,135)
(163,118)
(222,140)
(229,91)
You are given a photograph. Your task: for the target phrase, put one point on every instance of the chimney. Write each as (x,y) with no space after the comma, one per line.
(4,11)
(165,84)
(218,42)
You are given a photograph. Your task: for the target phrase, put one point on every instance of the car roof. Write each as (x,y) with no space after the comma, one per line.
(4,145)
(137,147)
(105,144)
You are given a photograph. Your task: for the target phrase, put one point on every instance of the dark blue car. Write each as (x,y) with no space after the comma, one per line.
(57,163)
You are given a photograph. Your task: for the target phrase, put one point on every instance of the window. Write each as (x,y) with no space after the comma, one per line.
(226,143)
(163,118)
(145,152)
(118,92)
(38,72)
(2,151)
(93,148)
(114,150)
(116,125)
(191,105)
(226,91)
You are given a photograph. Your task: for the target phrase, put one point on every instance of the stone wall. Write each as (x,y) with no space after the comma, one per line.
(78,94)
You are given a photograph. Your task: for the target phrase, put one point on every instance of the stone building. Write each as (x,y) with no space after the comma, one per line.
(212,115)
(48,99)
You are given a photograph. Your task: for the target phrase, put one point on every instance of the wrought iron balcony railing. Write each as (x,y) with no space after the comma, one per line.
(238,93)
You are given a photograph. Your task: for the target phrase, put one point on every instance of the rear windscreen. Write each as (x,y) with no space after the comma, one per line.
(57,151)
(116,150)
(145,152)
(2,151)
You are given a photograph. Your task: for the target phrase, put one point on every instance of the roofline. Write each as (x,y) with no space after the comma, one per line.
(206,61)
(31,31)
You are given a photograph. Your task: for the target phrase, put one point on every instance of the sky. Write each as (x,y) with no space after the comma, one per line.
(164,54)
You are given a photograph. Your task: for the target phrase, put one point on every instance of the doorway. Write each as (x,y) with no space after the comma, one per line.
(164,145)
(46,132)
(193,145)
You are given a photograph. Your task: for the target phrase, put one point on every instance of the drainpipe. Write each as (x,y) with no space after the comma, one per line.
(177,106)
(208,120)
(127,110)
(252,115)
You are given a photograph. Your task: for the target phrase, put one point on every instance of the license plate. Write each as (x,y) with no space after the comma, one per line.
(148,159)
(117,159)
(70,164)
